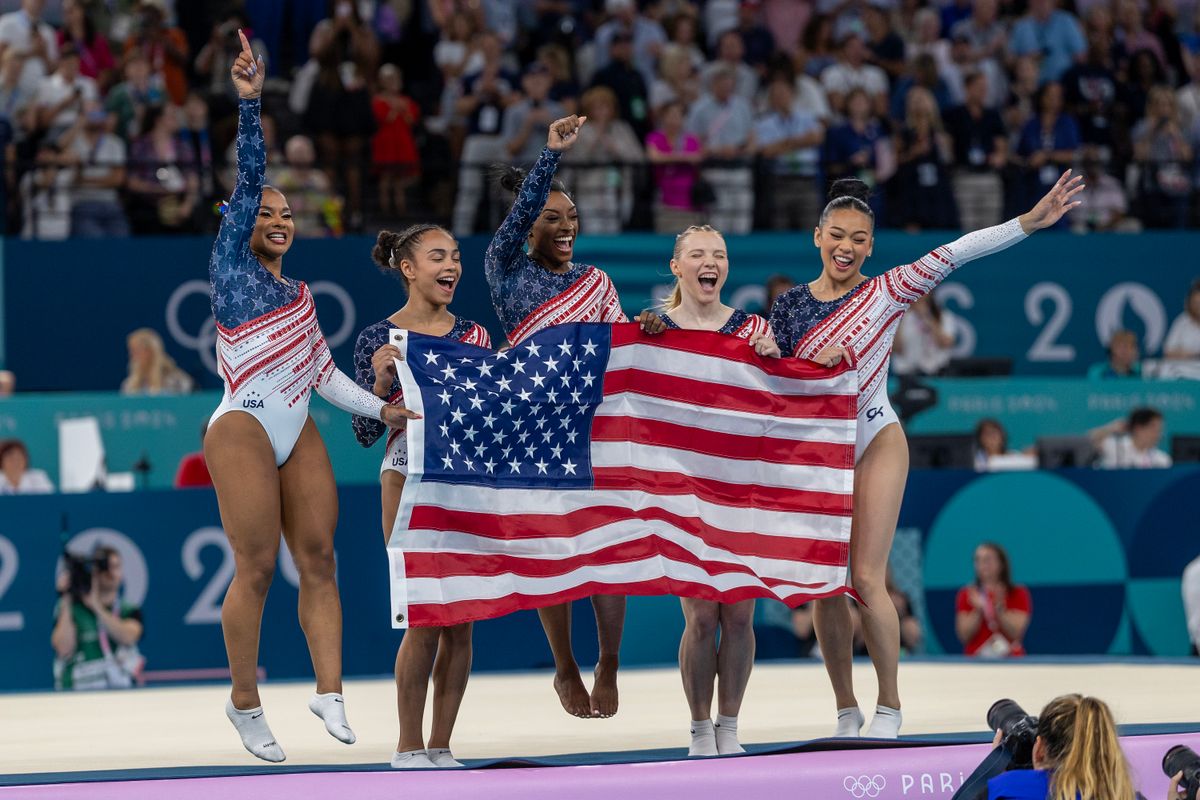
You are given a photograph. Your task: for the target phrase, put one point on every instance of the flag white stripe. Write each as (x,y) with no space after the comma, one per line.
(509,502)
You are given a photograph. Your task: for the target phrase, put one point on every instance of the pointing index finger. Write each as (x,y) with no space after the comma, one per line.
(245,45)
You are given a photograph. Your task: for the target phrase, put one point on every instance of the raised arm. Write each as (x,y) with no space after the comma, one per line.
(233,239)
(907,283)
(504,251)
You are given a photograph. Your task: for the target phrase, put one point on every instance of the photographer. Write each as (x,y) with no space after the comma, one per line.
(95,633)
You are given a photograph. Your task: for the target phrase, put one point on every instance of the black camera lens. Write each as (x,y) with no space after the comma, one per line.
(1182,758)
(1018,731)
(1004,714)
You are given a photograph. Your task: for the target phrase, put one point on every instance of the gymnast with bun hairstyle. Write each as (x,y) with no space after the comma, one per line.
(844,314)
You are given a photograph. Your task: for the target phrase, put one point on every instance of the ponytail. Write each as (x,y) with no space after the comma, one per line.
(1081,743)
(675,298)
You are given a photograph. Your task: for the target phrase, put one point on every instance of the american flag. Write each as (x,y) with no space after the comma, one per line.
(595,459)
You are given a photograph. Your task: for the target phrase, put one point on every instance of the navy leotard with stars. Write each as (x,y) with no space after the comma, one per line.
(241,287)
(796,312)
(519,285)
(736,320)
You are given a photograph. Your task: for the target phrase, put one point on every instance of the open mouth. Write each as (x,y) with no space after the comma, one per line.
(277,238)
(447,282)
(708,280)
(563,244)
(843,262)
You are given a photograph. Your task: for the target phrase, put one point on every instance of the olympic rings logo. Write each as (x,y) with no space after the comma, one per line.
(204,340)
(864,785)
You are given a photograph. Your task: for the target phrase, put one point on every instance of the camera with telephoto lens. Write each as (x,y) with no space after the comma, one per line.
(1018,731)
(81,569)
(1182,758)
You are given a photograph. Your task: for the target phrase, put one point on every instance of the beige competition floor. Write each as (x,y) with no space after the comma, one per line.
(519,715)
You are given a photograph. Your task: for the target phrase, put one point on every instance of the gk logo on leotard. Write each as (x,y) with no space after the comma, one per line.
(872,413)
(864,785)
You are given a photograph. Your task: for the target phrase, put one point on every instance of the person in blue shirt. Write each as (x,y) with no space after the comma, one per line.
(1122,361)
(1076,755)
(1048,144)
(1051,33)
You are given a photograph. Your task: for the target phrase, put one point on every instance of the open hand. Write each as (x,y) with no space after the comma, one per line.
(1058,201)
(564,132)
(247,72)
(395,416)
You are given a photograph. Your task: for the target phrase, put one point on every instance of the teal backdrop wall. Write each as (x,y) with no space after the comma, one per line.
(1049,302)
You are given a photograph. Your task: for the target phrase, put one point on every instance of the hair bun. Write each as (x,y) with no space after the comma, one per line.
(850,187)
(507,177)
(385,245)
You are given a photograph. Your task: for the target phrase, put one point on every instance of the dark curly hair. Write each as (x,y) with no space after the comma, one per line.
(391,248)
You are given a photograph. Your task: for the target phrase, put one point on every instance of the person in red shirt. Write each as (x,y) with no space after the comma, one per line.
(193,469)
(992,614)
(394,150)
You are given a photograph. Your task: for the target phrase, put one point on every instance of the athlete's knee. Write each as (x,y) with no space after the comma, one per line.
(868,579)
(702,621)
(254,574)
(314,562)
(736,619)
(457,637)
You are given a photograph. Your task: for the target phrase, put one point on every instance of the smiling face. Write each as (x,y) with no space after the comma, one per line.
(987,564)
(845,241)
(435,268)
(552,238)
(701,266)
(274,228)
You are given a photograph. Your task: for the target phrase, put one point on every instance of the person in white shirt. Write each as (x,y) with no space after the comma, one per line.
(1132,443)
(62,96)
(1183,339)
(15,475)
(25,32)
(1191,601)
(853,72)
(730,52)
(925,339)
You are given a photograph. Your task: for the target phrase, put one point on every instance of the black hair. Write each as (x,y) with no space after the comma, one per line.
(510,179)
(1005,566)
(1141,417)
(102,555)
(13,445)
(848,193)
(991,422)
(391,248)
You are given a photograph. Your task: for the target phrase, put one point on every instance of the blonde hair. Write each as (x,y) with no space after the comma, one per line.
(153,377)
(916,96)
(1081,743)
(675,297)
(597,95)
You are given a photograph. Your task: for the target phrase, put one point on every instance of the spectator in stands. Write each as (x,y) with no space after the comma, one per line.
(757,42)
(1190,584)
(925,338)
(95,634)
(860,147)
(213,60)
(1103,203)
(1188,95)
(163,191)
(776,285)
(316,209)
(1122,361)
(394,148)
(129,99)
(15,475)
(525,119)
(724,123)
(1020,105)
(607,148)
(682,32)
(8,383)
(646,38)
(45,194)
(925,152)
(95,57)
(485,94)
(789,139)
(992,614)
(980,154)
(820,46)
(25,33)
(627,83)
(1051,33)
(1141,75)
(18,105)
(991,440)
(1049,143)
(677,79)
(885,45)
(1090,89)
(1162,149)
(1183,338)
(853,72)
(151,370)
(98,158)
(193,469)
(730,54)
(987,39)
(165,47)
(924,75)
(62,96)
(676,155)
(928,40)
(1132,34)
(195,142)
(564,89)
(1132,442)
(810,94)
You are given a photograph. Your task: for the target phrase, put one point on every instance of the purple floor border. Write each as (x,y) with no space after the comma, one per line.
(881,774)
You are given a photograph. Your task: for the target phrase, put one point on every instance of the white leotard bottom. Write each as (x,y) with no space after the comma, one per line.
(396,457)
(874,415)
(282,424)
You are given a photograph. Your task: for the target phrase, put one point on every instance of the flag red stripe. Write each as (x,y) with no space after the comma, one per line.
(510,527)
(440,615)
(730,398)
(710,490)
(720,444)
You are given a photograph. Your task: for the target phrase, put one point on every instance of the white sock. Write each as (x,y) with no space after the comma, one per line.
(850,722)
(413,759)
(704,739)
(256,735)
(331,708)
(442,757)
(886,724)
(727,740)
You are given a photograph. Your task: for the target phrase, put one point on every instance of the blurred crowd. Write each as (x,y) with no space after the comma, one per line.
(118,115)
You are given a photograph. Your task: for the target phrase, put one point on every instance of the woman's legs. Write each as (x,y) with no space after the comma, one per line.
(702,662)
(698,654)
(610,624)
(414,662)
(879,481)
(242,465)
(451,670)
(556,622)
(735,656)
(391,484)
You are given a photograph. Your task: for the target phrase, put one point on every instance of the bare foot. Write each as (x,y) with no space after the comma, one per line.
(572,694)
(604,690)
